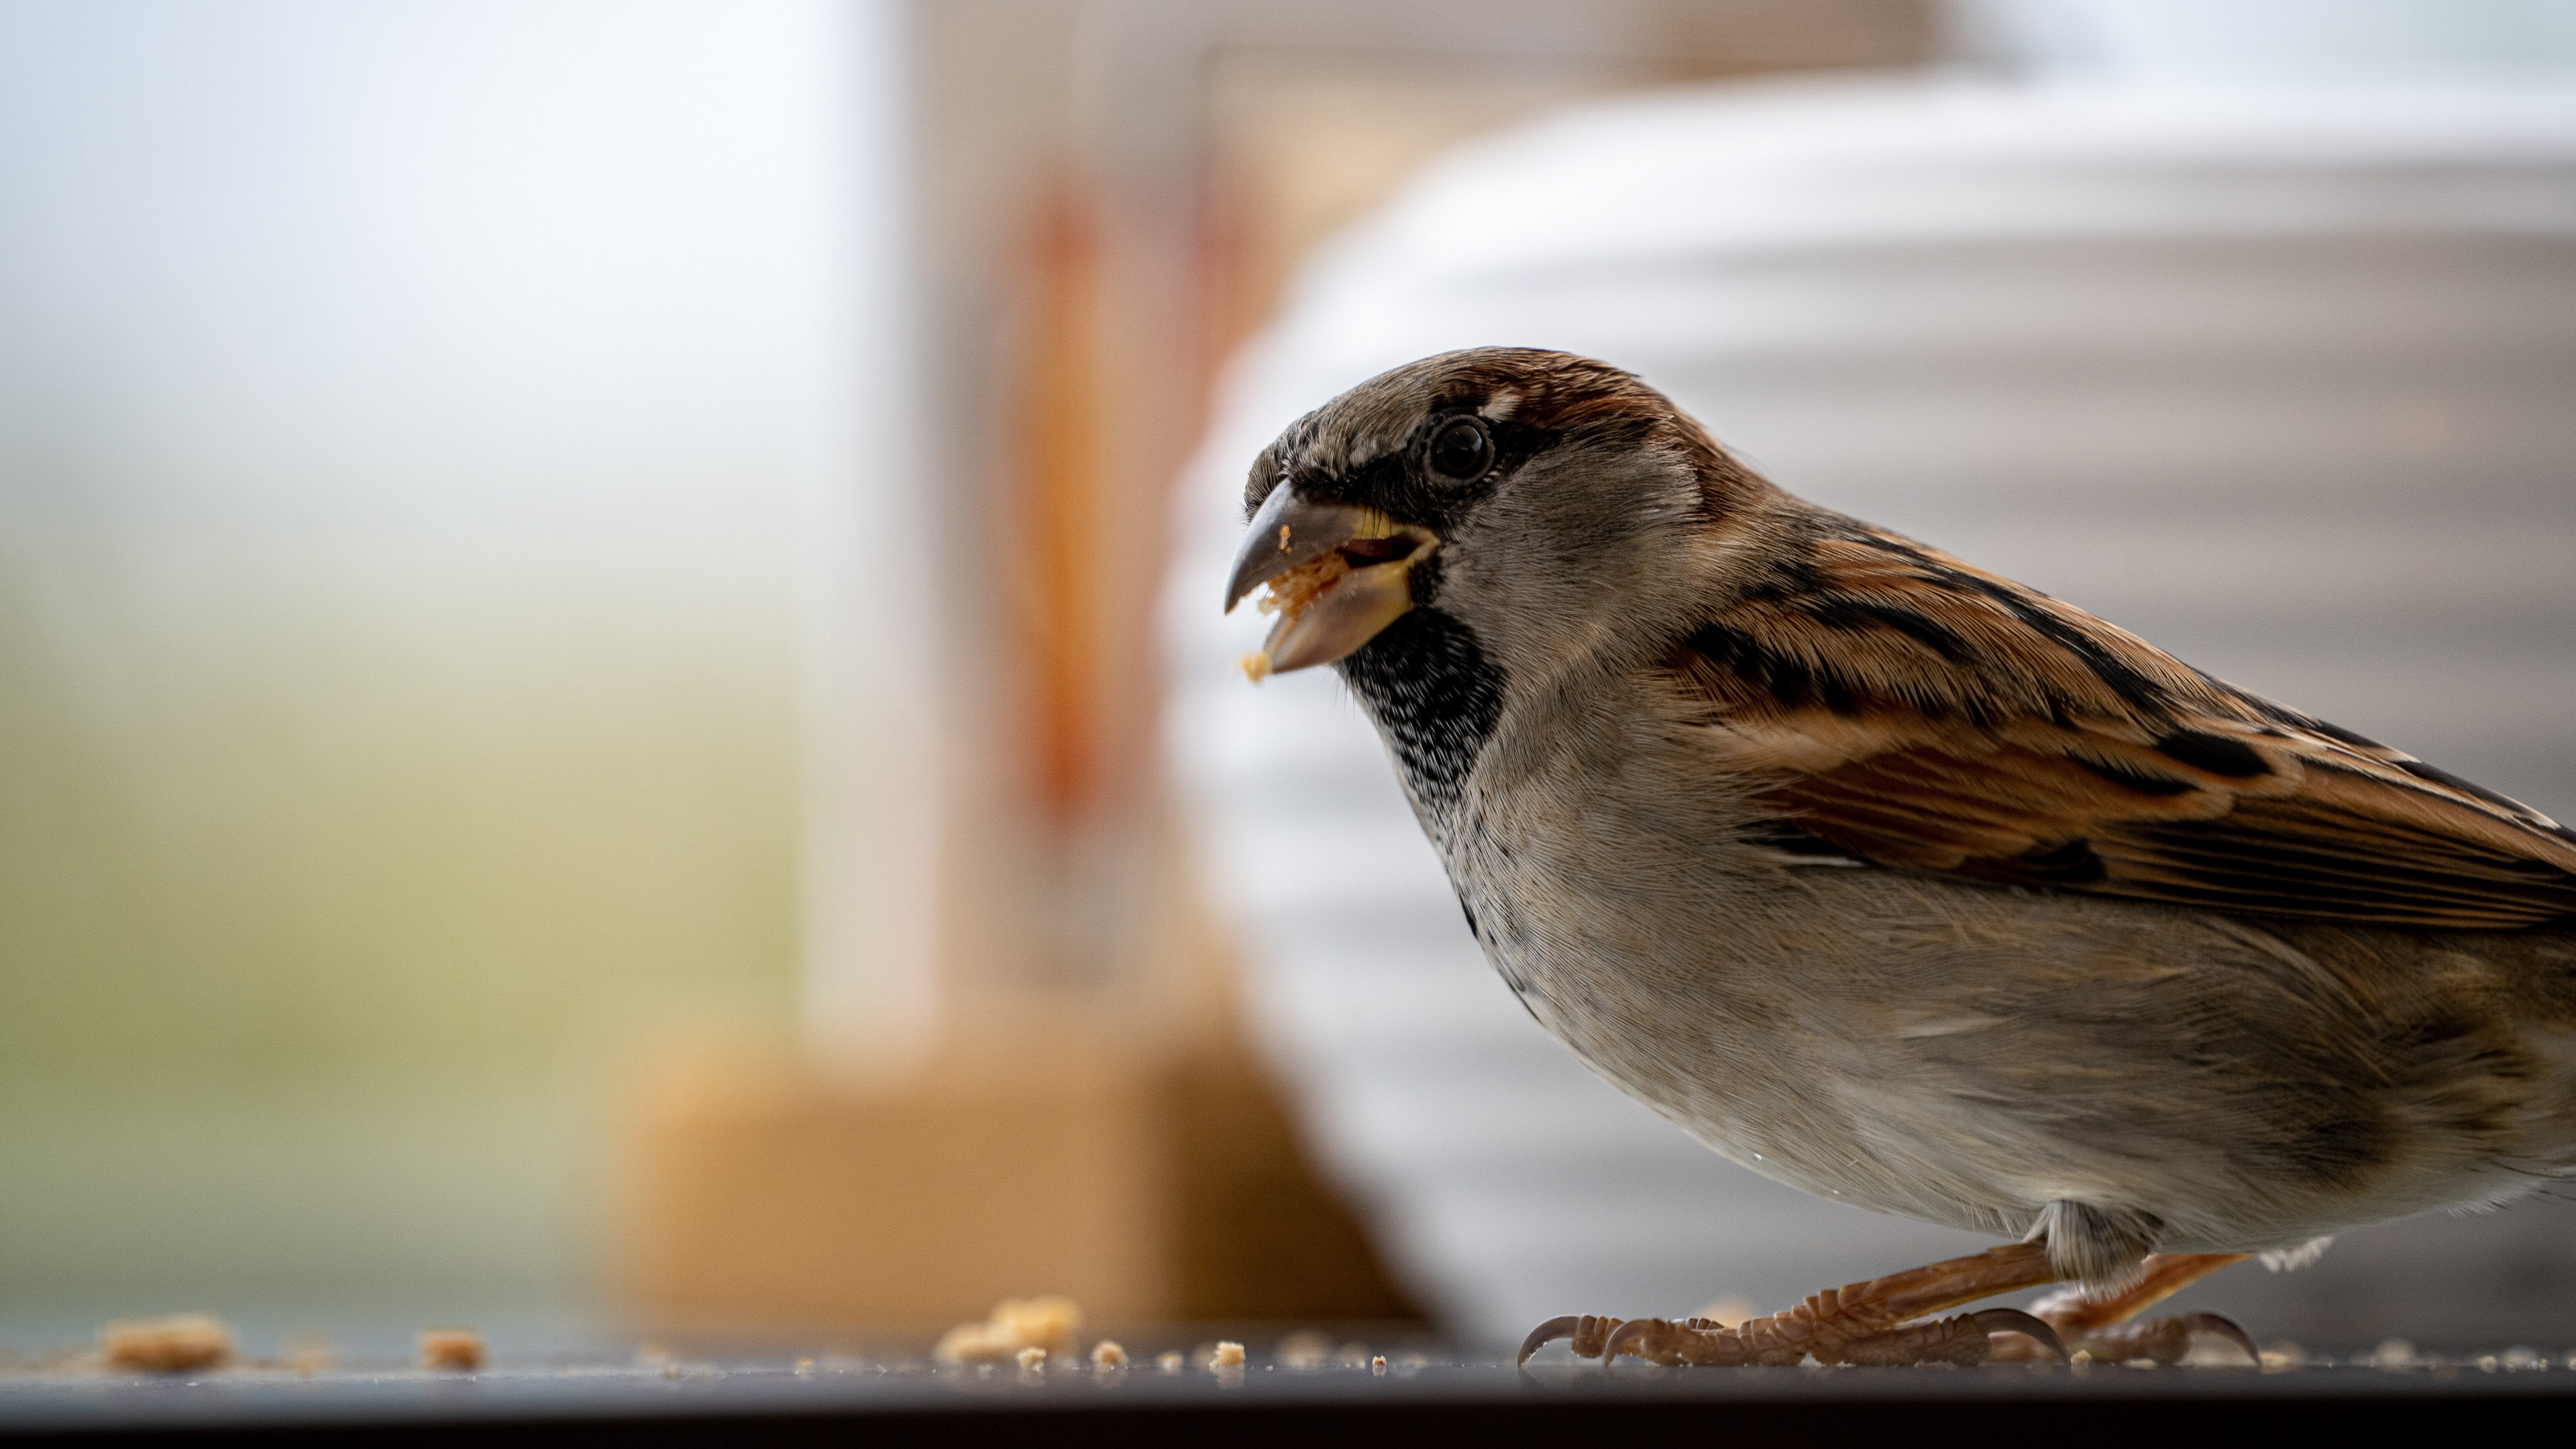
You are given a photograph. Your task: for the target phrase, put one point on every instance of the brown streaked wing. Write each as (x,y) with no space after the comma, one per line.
(1918,714)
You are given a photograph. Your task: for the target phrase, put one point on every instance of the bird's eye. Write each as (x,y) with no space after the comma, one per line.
(1461,450)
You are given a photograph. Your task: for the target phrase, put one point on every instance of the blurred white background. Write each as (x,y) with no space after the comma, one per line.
(423,427)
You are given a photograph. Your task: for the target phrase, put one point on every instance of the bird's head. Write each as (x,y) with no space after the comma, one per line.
(1552,508)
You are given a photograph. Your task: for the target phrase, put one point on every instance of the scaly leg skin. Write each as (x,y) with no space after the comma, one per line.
(1860,1323)
(2098,1325)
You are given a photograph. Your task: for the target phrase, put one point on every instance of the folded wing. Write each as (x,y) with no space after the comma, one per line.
(1893,706)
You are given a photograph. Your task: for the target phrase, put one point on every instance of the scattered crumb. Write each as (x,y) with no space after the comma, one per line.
(1106,1354)
(1229,1354)
(1031,1358)
(2522,1357)
(1303,1352)
(2283,1355)
(2395,1353)
(804,1368)
(1377,1365)
(1049,1323)
(457,1350)
(1169,1360)
(309,1354)
(175,1344)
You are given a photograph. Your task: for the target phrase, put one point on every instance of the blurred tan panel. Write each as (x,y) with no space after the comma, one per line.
(1258,1234)
(768,1197)
(773,1196)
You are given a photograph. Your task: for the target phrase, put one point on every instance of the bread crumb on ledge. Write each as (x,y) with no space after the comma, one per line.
(1303,1351)
(1048,1323)
(175,1344)
(308,1354)
(455,1350)
(1377,1365)
(1229,1354)
(1108,1355)
(1170,1360)
(1031,1358)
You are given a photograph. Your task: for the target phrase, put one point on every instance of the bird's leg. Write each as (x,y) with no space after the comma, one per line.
(1860,1323)
(2098,1323)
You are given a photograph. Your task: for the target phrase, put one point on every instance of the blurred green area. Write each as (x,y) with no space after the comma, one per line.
(405,415)
(341,868)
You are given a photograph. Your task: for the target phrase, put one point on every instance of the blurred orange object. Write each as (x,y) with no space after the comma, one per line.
(457,1350)
(175,1344)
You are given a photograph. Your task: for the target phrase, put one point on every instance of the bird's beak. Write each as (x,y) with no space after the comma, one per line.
(1345,573)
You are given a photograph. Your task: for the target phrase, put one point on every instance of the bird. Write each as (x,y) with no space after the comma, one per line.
(1902,883)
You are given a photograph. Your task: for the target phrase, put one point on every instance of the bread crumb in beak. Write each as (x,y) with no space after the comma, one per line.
(175,1344)
(1291,594)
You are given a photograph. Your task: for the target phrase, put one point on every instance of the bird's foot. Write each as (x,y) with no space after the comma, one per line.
(2101,1327)
(1783,1339)
(1885,1321)
(2165,1341)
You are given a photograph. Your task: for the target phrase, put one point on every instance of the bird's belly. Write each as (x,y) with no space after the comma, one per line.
(1712,1040)
(1966,1057)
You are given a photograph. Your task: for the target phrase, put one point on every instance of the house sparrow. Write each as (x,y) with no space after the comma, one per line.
(1894,880)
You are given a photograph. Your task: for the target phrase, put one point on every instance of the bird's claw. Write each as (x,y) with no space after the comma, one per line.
(1588,1330)
(2165,1341)
(2220,1326)
(1966,1339)
(2012,1320)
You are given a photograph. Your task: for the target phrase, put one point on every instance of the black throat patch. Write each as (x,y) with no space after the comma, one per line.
(1436,696)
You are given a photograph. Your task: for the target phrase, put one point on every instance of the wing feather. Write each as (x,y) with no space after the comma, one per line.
(1910,711)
